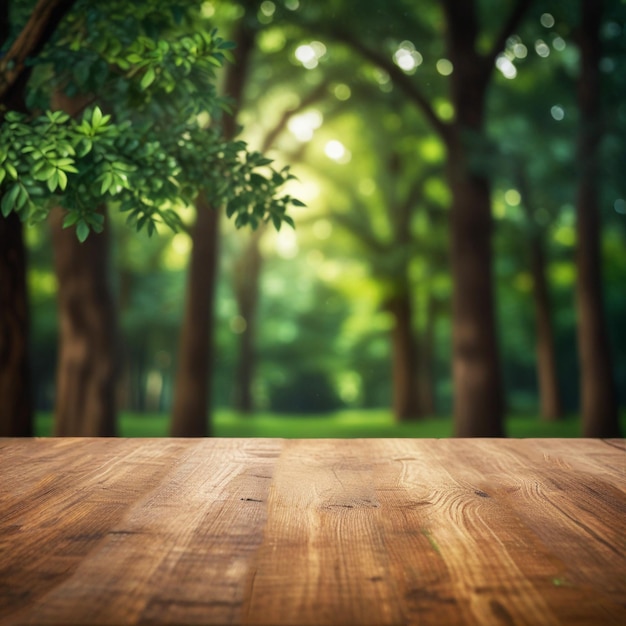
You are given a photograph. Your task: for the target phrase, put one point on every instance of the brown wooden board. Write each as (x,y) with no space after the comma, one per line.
(273,531)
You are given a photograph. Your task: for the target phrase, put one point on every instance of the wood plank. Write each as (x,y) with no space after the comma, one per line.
(528,522)
(323,558)
(179,554)
(258,531)
(58,498)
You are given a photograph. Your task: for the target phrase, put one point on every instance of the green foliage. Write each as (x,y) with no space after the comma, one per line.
(158,144)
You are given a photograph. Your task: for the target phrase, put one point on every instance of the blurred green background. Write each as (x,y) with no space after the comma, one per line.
(321,325)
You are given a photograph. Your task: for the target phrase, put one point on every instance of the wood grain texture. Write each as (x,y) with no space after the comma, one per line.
(272,531)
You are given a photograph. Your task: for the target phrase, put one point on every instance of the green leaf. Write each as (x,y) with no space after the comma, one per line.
(297,202)
(107,182)
(232,207)
(96,219)
(148,78)
(22,198)
(53,181)
(141,221)
(8,200)
(11,170)
(257,180)
(62,176)
(277,178)
(43,172)
(70,219)
(84,147)
(96,117)
(82,231)
(242,219)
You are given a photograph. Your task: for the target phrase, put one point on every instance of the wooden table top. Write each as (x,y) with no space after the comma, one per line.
(274,531)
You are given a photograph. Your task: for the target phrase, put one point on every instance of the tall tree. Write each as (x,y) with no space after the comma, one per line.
(478,392)
(476,371)
(384,227)
(86,375)
(87,365)
(549,395)
(16,411)
(196,354)
(15,408)
(406,401)
(598,398)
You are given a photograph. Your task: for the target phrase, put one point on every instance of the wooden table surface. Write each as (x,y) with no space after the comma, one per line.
(273,531)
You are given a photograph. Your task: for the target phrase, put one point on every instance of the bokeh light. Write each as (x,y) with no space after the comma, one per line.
(557,112)
(303,126)
(542,48)
(407,58)
(445,67)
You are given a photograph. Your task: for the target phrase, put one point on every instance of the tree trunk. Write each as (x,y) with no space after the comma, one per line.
(426,374)
(405,400)
(476,372)
(14,67)
(16,414)
(479,399)
(192,395)
(192,390)
(86,372)
(549,396)
(246,285)
(598,397)
(478,396)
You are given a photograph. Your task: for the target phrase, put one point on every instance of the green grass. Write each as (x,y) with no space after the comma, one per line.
(342,424)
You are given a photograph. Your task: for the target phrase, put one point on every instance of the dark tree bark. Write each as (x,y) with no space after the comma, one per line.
(426,362)
(41,25)
(549,396)
(550,405)
(190,411)
(478,394)
(406,400)
(86,372)
(476,372)
(16,414)
(196,354)
(598,397)
(478,389)
(405,374)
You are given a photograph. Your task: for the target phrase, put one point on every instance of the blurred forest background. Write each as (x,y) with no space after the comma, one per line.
(459,267)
